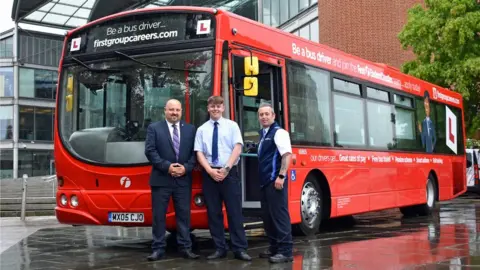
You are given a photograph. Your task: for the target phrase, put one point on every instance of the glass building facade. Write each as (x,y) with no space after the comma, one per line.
(28,80)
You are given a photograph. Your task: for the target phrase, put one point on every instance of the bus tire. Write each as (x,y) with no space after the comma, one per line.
(431,194)
(311,208)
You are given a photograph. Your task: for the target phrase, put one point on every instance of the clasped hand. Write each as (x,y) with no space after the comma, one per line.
(218,174)
(176,170)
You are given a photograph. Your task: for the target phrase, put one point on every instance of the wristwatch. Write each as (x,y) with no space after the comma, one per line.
(226,168)
(281,176)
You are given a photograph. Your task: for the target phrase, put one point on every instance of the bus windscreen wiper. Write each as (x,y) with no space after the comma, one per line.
(154,66)
(96,69)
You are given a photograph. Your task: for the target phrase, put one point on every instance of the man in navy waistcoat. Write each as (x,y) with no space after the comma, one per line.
(274,154)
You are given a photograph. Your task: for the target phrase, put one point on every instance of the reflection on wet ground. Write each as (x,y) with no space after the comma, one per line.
(382,240)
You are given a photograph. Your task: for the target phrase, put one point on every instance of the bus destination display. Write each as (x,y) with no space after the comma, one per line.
(140,30)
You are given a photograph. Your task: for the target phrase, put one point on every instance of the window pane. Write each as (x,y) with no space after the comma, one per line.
(303,5)
(43,124)
(6,48)
(27,82)
(38,83)
(6,123)
(35,163)
(6,82)
(402,100)
(380,127)
(91,107)
(275,5)
(293,8)
(6,163)
(44,83)
(377,94)
(345,86)
(349,121)
(267,11)
(309,90)
(26,123)
(283,11)
(116,102)
(131,100)
(404,124)
(305,32)
(314,31)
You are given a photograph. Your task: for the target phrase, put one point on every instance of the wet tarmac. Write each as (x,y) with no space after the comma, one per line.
(382,240)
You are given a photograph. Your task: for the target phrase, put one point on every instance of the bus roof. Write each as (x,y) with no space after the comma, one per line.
(323,56)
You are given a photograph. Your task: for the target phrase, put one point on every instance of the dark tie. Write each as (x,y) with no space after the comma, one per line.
(215,143)
(176,140)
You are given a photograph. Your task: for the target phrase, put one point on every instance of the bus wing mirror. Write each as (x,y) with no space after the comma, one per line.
(250,86)
(251,65)
(69,103)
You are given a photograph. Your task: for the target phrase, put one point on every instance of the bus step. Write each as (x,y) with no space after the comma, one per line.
(251,223)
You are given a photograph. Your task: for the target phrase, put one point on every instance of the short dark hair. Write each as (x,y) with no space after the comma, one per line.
(216,100)
(426,95)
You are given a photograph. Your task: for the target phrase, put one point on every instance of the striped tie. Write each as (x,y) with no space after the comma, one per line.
(176,140)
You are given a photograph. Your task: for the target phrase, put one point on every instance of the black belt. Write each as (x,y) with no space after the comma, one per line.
(234,167)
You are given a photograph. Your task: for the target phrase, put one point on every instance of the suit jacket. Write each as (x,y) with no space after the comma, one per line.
(160,152)
(429,138)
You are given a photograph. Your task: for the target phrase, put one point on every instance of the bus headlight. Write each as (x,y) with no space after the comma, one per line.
(74,201)
(199,200)
(63,199)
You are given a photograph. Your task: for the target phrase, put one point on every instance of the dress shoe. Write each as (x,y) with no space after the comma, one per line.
(217,255)
(156,255)
(242,255)
(188,254)
(280,258)
(266,254)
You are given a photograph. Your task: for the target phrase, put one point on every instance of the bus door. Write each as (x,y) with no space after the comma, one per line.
(269,91)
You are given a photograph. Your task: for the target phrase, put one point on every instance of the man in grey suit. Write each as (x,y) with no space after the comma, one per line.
(169,147)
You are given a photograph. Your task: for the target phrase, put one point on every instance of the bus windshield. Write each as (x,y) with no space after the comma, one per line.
(116,99)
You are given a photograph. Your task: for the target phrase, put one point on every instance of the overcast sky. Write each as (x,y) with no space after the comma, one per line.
(6,15)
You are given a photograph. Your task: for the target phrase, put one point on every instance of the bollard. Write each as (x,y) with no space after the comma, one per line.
(24,197)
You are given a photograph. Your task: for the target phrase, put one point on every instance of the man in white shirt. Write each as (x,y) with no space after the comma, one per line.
(274,155)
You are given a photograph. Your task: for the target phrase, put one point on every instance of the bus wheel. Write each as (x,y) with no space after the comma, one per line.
(427,208)
(310,208)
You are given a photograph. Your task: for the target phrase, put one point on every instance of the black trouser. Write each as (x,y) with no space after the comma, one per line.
(229,191)
(276,218)
(181,201)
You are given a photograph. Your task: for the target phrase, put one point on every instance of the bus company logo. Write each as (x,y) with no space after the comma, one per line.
(203,27)
(125,182)
(75,46)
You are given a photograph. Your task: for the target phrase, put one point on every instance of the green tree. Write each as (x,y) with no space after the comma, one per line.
(445,37)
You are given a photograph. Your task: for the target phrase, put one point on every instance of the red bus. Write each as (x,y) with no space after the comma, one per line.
(365,137)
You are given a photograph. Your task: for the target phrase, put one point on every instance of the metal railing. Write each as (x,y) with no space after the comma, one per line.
(18,194)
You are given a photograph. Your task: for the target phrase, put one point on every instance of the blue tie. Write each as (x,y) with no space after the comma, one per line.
(215,143)
(176,140)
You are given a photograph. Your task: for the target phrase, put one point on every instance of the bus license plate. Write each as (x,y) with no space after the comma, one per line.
(126,217)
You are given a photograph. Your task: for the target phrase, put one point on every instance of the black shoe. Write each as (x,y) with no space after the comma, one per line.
(155,256)
(242,255)
(279,258)
(188,254)
(266,254)
(217,255)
